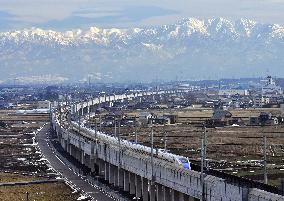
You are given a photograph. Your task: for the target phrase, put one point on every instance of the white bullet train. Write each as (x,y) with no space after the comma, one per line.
(180,161)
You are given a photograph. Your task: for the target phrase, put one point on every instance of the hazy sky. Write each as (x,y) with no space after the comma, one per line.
(70,14)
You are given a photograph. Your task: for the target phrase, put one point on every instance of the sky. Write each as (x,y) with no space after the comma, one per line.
(72,14)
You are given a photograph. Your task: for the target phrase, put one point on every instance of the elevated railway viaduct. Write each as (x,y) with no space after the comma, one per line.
(135,172)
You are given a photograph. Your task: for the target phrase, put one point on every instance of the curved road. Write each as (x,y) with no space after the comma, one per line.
(61,167)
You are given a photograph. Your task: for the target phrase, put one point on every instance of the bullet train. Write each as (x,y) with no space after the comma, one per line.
(179,161)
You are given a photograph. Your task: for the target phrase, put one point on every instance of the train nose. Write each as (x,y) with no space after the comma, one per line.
(185,165)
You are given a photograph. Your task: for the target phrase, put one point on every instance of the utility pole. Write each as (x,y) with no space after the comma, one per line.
(203,161)
(119,150)
(118,137)
(50,116)
(92,106)
(96,127)
(119,123)
(135,130)
(96,138)
(60,114)
(89,112)
(27,196)
(152,152)
(79,121)
(264,152)
(265,158)
(205,148)
(115,127)
(165,138)
(100,121)
(66,99)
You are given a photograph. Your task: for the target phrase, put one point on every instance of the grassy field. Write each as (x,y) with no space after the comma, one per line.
(9,177)
(58,191)
(39,192)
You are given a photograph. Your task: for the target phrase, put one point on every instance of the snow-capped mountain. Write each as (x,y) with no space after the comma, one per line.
(189,49)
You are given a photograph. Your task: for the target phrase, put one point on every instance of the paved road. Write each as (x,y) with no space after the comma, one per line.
(61,167)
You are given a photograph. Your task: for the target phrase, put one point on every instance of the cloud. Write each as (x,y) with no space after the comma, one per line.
(68,14)
(7,20)
(91,17)
(35,11)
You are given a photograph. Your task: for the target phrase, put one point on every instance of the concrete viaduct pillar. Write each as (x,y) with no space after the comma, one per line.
(167,193)
(120,182)
(138,185)
(82,157)
(182,197)
(92,163)
(159,192)
(152,192)
(72,152)
(132,183)
(126,181)
(78,154)
(145,192)
(116,174)
(175,195)
(101,165)
(68,146)
(106,171)
(75,152)
(65,145)
(87,161)
(111,174)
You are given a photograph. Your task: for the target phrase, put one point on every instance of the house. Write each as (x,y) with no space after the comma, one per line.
(221,118)
(144,118)
(129,120)
(44,104)
(221,115)
(265,118)
(259,101)
(173,118)
(162,120)
(270,88)
(111,118)
(232,92)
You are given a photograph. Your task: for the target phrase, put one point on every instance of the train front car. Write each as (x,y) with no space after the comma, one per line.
(184,162)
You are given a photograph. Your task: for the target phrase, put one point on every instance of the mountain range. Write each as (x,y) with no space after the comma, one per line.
(189,49)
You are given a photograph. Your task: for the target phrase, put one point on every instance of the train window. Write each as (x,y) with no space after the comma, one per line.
(183,160)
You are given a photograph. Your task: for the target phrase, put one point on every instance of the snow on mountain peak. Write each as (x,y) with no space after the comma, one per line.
(215,28)
(277,31)
(94,30)
(213,45)
(194,25)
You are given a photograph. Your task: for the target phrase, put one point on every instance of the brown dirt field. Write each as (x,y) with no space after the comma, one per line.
(39,192)
(18,149)
(19,154)
(9,177)
(230,149)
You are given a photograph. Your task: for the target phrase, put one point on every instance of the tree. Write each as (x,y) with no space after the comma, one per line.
(3,124)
